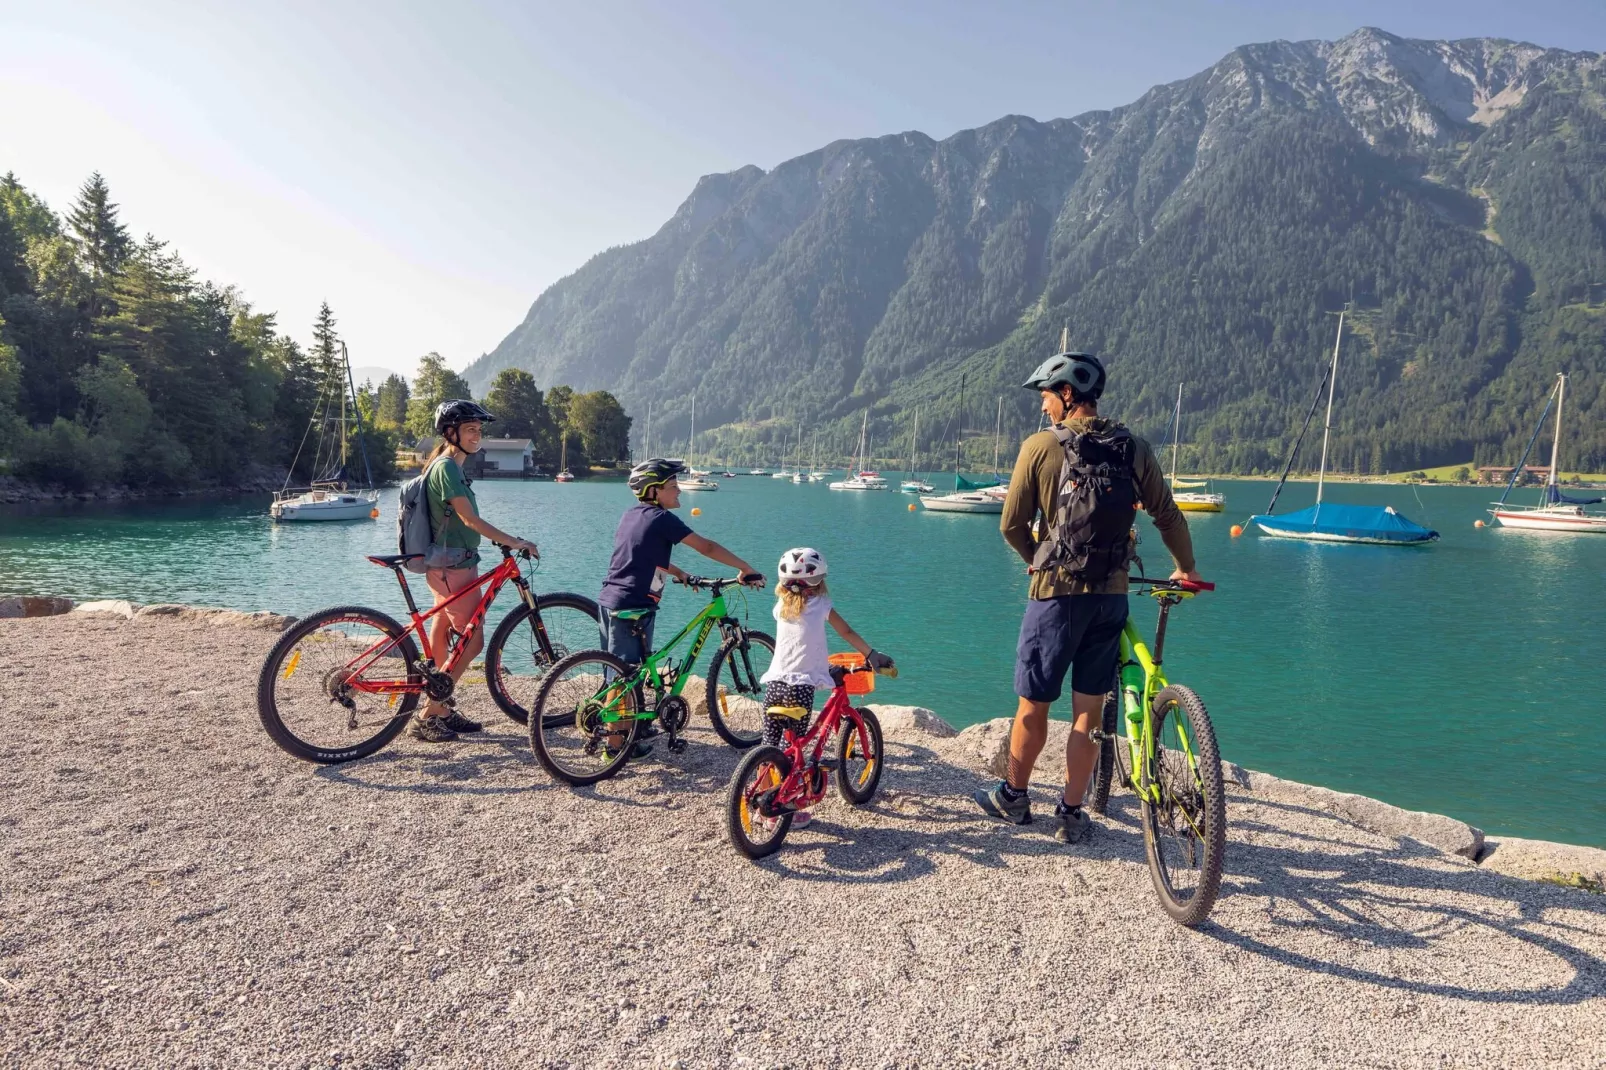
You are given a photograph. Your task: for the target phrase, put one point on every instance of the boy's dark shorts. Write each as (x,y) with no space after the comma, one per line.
(1079,632)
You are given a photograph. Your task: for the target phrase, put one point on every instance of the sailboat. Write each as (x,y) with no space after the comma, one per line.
(1555,511)
(1187,493)
(914,484)
(564,475)
(863,478)
(968,497)
(815,475)
(330,495)
(1379,525)
(694,479)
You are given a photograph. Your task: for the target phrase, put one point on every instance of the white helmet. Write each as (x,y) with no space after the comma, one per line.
(802,565)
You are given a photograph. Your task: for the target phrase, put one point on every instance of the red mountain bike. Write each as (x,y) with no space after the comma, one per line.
(341,683)
(774,783)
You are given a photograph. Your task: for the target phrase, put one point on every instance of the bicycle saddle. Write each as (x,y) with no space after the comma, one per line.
(391,560)
(625,614)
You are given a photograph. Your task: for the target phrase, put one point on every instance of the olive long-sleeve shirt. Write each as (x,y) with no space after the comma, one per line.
(1032,492)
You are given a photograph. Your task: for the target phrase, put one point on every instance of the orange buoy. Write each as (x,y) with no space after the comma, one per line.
(374,515)
(1477,523)
(1237,530)
(911,507)
(696,512)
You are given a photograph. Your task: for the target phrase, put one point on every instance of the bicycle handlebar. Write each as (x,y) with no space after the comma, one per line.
(508,551)
(700,583)
(1191,586)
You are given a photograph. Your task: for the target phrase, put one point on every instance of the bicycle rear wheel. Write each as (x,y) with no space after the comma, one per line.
(735,693)
(753,833)
(1185,826)
(310,694)
(516,660)
(567,733)
(1098,789)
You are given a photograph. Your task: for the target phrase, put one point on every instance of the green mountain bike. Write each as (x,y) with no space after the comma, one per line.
(592,706)
(1166,735)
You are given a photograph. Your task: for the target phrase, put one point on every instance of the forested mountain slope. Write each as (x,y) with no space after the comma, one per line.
(1455,191)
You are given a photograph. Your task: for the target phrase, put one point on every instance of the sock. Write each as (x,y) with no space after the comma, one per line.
(1066,808)
(1011,793)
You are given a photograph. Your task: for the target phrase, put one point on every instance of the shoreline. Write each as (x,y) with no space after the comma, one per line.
(1556,862)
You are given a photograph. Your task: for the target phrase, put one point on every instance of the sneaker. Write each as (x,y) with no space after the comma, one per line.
(995,802)
(802,820)
(431,730)
(458,723)
(640,750)
(1075,825)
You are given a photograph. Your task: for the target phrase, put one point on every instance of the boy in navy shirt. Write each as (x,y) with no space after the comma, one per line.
(647,535)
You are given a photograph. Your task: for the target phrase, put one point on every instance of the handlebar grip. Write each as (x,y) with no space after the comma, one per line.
(1200,585)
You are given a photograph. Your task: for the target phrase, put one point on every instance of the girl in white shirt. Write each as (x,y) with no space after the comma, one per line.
(802,609)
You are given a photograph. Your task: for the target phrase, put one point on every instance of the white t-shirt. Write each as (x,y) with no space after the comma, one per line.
(800,653)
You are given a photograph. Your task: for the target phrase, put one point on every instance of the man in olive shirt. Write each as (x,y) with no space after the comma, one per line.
(1070,624)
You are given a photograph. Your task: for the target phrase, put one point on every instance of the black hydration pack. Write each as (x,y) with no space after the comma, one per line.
(1091,539)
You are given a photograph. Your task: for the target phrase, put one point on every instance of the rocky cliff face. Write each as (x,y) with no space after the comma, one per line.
(1198,233)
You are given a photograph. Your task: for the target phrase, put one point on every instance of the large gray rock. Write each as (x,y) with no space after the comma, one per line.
(1445,833)
(222,618)
(911,722)
(116,607)
(28,605)
(985,746)
(1539,860)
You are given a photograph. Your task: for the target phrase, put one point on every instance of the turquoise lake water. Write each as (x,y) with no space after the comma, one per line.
(1466,678)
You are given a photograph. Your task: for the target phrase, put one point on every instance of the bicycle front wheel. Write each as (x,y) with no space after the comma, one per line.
(517,658)
(1185,820)
(735,690)
(753,832)
(316,694)
(568,732)
(858,771)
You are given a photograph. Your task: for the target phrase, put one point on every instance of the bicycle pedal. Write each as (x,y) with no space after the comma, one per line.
(676,746)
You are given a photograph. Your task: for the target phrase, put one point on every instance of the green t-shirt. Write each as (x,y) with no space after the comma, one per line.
(445,483)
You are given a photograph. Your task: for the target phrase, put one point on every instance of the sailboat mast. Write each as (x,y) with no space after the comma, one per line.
(1332,388)
(646,433)
(691,442)
(998,434)
(1176,436)
(1555,443)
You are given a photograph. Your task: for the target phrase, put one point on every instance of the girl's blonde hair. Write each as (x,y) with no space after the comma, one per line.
(793,599)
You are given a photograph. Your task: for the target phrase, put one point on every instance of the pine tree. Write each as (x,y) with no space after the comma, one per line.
(102,241)
(326,344)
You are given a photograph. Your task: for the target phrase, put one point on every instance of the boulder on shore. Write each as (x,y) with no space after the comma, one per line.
(1435,830)
(909,722)
(224,618)
(28,605)
(1538,860)
(116,607)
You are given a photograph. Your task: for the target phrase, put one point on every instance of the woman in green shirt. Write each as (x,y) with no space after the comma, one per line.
(456,527)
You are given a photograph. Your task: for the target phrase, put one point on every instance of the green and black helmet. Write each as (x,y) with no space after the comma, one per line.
(1082,372)
(653,472)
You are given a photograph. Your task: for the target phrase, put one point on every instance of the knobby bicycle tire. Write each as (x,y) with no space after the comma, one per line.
(1098,792)
(861,789)
(747,684)
(274,672)
(1210,811)
(549,605)
(739,815)
(552,724)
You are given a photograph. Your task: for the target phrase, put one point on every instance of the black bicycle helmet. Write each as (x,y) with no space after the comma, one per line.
(1082,372)
(654,472)
(459,411)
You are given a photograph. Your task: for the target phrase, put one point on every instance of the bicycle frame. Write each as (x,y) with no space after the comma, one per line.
(794,790)
(1141,678)
(492,581)
(652,671)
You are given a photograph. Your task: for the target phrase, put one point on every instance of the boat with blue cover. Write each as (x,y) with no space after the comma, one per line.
(1379,525)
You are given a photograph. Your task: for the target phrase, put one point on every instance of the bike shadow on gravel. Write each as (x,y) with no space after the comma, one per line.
(492,764)
(886,844)
(1397,899)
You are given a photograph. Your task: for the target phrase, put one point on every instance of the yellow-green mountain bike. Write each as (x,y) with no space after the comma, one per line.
(1162,731)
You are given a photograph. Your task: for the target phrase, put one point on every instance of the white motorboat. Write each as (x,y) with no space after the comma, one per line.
(697,482)
(757,472)
(963,502)
(916,486)
(864,479)
(1555,511)
(326,503)
(330,495)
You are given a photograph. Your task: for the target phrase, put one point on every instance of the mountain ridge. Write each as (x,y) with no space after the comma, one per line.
(875,271)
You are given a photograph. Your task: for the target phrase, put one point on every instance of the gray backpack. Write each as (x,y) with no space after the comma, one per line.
(413,533)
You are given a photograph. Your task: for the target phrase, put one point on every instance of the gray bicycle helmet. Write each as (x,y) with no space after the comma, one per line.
(1082,372)
(459,411)
(653,472)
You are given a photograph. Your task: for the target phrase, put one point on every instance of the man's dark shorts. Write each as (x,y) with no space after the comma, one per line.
(1079,632)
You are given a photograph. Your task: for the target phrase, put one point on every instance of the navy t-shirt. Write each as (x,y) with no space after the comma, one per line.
(646,537)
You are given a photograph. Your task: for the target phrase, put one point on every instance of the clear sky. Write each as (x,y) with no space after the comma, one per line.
(429,168)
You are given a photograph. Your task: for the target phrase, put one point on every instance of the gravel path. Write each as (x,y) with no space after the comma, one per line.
(175,891)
